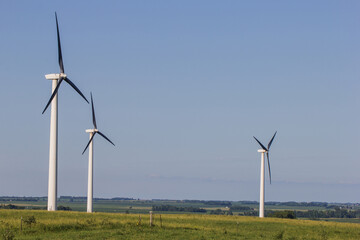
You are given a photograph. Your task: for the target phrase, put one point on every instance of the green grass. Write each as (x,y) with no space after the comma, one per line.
(78,225)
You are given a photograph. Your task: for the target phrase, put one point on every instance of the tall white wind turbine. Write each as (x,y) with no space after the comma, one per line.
(263,150)
(92,133)
(57,79)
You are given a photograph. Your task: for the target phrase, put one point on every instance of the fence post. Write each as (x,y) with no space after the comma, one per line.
(151,218)
(139,221)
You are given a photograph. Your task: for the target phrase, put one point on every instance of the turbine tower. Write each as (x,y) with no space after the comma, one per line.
(92,133)
(263,150)
(57,79)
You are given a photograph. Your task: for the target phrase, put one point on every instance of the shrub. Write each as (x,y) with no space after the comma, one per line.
(282,214)
(29,221)
(63,208)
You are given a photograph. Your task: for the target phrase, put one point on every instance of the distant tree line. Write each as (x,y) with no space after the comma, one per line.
(23,199)
(81,199)
(221,212)
(13,206)
(298,204)
(177,209)
(248,202)
(292,203)
(10,206)
(337,213)
(122,198)
(217,203)
(241,208)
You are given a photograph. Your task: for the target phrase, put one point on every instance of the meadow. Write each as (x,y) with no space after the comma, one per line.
(39,224)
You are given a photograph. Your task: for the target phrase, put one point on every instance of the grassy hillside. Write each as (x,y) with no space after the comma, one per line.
(77,225)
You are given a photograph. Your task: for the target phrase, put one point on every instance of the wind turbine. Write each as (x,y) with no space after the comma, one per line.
(262,173)
(92,133)
(57,79)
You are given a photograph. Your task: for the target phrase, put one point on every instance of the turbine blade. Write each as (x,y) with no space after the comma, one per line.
(53,94)
(262,146)
(93,111)
(268,159)
(61,64)
(76,89)
(269,145)
(106,138)
(89,142)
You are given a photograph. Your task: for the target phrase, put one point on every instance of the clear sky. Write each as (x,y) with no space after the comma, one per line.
(181,88)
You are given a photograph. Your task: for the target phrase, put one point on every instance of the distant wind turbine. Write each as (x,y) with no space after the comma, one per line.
(92,133)
(262,173)
(57,79)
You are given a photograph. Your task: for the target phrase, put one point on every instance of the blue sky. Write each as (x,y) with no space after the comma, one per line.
(181,87)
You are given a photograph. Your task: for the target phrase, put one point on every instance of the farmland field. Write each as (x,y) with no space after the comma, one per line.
(72,225)
(144,206)
(339,212)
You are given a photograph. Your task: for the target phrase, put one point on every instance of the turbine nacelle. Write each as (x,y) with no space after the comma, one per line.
(91,130)
(55,76)
(262,151)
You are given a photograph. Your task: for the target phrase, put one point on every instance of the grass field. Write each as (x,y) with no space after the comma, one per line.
(78,225)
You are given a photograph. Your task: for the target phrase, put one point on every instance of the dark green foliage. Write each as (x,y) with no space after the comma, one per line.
(282,214)
(63,208)
(29,220)
(337,213)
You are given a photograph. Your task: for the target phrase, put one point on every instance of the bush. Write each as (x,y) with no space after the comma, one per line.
(282,214)
(63,208)
(29,221)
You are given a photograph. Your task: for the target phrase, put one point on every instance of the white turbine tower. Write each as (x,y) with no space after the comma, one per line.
(92,133)
(262,173)
(56,81)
